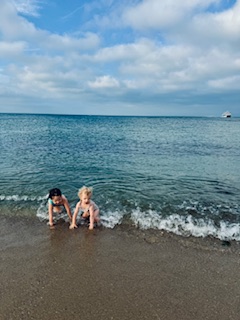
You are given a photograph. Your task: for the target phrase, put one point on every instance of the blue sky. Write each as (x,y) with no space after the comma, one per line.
(120,57)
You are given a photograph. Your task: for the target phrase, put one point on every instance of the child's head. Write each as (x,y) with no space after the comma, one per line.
(55,194)
(85,193)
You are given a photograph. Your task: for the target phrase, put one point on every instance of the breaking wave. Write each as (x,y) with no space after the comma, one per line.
(186,219)
(22,198)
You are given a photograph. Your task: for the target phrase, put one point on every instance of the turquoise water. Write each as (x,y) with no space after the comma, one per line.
(177,174)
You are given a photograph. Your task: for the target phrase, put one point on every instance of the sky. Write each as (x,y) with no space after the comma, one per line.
(120,57)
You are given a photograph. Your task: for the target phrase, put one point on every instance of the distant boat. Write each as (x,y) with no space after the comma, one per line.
(226,114)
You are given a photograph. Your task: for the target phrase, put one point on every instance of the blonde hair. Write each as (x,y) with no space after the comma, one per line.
(85,190)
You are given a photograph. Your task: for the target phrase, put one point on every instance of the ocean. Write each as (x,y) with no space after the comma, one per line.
(178,174)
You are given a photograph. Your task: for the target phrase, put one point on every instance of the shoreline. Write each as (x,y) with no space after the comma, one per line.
(121,273)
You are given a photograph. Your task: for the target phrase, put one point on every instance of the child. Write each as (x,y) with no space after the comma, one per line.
(56,202)
(87,206)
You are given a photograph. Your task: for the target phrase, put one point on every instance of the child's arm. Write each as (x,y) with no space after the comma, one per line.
(50,213)
(68,209)
(73,224)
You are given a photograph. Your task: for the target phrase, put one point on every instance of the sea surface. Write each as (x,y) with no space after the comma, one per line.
(179,174)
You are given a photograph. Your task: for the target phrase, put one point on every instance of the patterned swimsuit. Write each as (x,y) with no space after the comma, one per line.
(86,210)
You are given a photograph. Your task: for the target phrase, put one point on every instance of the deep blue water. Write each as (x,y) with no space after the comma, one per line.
(173,173)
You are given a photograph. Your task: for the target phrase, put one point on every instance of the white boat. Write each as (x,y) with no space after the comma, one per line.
(226,114)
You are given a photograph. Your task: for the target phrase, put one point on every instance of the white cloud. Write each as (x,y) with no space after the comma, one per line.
(13,27)
(124,52)
(226,84)
(12,49)
(46,77)
(28,7)
(155,67)
(187,21)
(104,82)
(212,28)
(63,43)
(163,14)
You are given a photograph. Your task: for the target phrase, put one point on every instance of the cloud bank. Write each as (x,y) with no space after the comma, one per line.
(145,57)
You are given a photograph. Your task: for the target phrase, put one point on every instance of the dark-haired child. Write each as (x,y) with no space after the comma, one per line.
(56,203)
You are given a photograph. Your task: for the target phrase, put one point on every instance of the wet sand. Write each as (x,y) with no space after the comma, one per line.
(117,274)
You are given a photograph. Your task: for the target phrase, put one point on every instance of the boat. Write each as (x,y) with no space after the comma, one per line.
(226,114)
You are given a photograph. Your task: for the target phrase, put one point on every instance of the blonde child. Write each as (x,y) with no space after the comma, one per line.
(56,202)
(87,207)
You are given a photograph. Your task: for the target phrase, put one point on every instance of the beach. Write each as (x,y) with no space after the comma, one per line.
(120,273)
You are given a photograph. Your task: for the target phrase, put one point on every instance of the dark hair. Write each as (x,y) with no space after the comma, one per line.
(54,192)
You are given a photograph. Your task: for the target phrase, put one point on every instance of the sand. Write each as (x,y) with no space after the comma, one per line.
(119,274)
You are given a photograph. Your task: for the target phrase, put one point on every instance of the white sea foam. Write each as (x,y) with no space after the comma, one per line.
(108,219)
(42,214)
(186,226)
(211,207)
(111,219)
(16,197)
(180,225)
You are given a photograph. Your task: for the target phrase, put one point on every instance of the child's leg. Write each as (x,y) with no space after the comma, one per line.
(94,217)
(85,215)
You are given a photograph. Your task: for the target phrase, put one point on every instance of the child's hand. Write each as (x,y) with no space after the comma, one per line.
(72,226)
